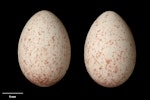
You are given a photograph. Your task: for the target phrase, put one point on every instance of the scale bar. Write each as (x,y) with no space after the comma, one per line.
(12,92)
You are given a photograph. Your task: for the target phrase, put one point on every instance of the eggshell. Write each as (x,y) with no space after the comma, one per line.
(44,49)
(109,51)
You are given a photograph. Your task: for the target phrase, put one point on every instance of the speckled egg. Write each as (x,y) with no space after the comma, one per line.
(109,51)
(44,49)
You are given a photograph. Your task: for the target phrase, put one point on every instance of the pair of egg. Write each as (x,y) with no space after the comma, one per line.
(44,50)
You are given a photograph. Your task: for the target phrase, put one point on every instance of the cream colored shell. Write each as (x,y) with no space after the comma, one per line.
(109,52)
(44,49)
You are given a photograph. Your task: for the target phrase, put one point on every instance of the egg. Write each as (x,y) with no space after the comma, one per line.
(109,50)
(44,49)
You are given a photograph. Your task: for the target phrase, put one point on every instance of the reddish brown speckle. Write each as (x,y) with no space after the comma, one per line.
(54,54)
(29,39)
(111,42)
(106,15)
(94,70)
(108,61)
(108,74)
(48,44)
(39,33)
(98,54)
(99,76)
(42,31)
(116,69)
(54,62)
(87,61)
(28,29)
(46,62)
(53,38)
(25,38)
(100,68)
(24,62)
(96,23)
(130,44)
(117,26)
(98,31)
(117,59)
